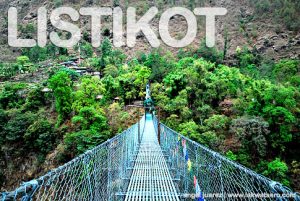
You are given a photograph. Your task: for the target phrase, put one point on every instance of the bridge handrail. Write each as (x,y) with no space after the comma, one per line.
(275,187)
(27,190)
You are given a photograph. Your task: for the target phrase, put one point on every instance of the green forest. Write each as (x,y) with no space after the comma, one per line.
(249,112)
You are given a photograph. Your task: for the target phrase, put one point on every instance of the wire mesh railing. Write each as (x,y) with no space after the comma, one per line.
(204,174)
(198,172)
(98,174)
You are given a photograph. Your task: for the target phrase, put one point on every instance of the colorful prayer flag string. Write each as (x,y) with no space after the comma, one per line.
(189,164)
(198,190)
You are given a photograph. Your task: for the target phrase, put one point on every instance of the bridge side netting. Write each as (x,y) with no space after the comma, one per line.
(205,174)
(95,175)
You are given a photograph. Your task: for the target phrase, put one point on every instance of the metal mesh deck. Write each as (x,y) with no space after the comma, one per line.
(151,179)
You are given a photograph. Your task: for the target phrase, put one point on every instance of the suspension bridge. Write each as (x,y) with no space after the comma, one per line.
(150,161)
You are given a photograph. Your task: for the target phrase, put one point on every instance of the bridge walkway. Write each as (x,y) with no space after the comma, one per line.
(151,179)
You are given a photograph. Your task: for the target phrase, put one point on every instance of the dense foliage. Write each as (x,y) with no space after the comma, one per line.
(249,112)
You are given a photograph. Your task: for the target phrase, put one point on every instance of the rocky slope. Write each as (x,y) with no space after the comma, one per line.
(244,28)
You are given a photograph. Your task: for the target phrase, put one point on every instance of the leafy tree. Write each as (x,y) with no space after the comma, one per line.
(282,120)
(89,118)
(277,170)
(276,104)
(210,139)
(86,95)
(40,136)
(189,129)
(179,105)
(117,118)
(252,133)
(285,69)
(133,82)
(223,82)
(93,62)
(231,155)
(248,62)
(160,65)
(105,50)
(86,50)
(111,86)
(203,112)
(159,96)
(17,125)
(116,58)
(93,130)
(218,123)
(111,70)
(61,85)
(24,64)
(142,74)
(71,73)
(78,142)
(175,82)
(11,95)
(173,121)
(127,89)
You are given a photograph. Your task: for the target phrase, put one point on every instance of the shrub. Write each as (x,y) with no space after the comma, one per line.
(22,60)
(35,99)
(7,70)
(36,53)
(210,54)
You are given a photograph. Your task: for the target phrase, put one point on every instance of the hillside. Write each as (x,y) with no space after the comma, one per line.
(240,98)
(246,24)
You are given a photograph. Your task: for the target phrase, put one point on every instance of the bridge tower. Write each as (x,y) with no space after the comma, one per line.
(148,103)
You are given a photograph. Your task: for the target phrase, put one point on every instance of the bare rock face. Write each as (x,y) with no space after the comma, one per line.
(30,16)
(278,45)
